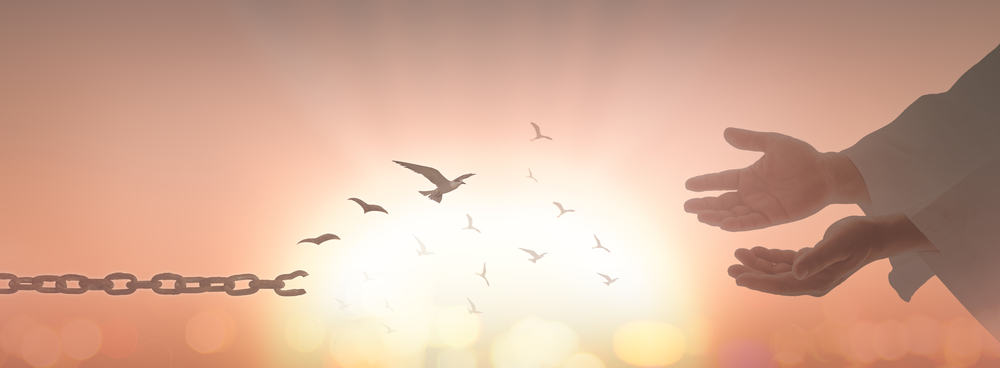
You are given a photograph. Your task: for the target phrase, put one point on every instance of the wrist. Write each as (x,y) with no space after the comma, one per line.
(896,234)
(845,180)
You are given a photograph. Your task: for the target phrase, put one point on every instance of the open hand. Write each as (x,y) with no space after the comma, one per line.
(790,182)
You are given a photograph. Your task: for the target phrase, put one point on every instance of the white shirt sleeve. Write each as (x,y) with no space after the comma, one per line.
(936,143)
(964,226)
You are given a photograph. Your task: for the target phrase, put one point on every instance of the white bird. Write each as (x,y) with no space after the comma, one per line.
(368,207)
(319,239)
(388,329)
(607,279)
(432,174)
(562,211)
(599,246)
(389,307)
(343,305)
(423,249)
(469,226)
(538,133)
(472,307)
(531,176)
(367,278)
(534,256)
(483,275)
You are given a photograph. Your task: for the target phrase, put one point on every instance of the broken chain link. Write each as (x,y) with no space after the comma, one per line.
(51,284)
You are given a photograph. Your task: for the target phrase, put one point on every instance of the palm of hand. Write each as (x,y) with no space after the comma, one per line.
(788,183)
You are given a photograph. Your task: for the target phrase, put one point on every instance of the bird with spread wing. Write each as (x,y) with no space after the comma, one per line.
(319,239)
(538,133)
(368,207)
(443,185)
(534,255)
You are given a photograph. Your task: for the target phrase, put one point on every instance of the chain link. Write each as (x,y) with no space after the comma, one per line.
(128,283)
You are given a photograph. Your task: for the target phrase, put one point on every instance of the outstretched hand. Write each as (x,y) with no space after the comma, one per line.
(848,245)
(790,182)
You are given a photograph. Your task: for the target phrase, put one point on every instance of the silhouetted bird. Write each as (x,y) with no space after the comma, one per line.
(388,329)
(432,174)
(534,256)
(531,176)
(319,239)
(562,211)
(538,133)
(469,226)
(483,275)
(599,246)
(472,307)
(368,207)
(423,249)
(607,279)
(343,305)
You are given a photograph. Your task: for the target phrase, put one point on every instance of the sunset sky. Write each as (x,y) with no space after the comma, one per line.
(206,138)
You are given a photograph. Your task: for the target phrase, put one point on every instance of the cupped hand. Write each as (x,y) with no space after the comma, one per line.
(790,182)
(848,245)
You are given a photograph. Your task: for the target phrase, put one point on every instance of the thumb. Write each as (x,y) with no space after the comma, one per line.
(817,259)
(748,140)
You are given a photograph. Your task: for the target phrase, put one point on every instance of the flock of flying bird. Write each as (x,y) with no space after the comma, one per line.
(442,186)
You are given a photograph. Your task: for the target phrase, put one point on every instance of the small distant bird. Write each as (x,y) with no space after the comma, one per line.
(319,239)
(531,176)
(483,275)
(599,246)
(432,174)
(534,256)
(423,249)
(388,329)
(368,207)
(343,305)
(469,226)
(472,307)
(388,306)
(538,133)
(607,279)
(562,211)
(367,278)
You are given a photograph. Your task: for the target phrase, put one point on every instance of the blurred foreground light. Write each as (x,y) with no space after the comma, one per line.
(583,360)
(455,327)
(209,331)
(790,344)
(534,342)
(891,340)
(120,338)
(81,339)
(926,335)
(40,347)
(456,359)
(13,331)
(745,354)
(305,333)
(358,344)
(963,343)
(649,343)
(862,349)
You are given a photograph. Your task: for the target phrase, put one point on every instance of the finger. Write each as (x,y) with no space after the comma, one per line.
(737,269)
(714,218)
(750,221)
(748,259)
(775,255)
(780,284)
(725,201)
(815,260)
(723,180)
(748,140)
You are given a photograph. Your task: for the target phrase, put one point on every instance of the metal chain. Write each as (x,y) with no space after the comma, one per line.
(175,284)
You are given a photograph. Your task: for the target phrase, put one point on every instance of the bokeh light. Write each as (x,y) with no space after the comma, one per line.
(745,354)
(534,342)
(121,338)
(649,343)
(583,360)
(790,345)
(81,339)
(926,335)
(40,346)
(891,340)
(455,327)
(209,331)
(963,342)
(305,332)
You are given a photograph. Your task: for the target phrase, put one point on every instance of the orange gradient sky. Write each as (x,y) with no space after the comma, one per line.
(207,138)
